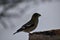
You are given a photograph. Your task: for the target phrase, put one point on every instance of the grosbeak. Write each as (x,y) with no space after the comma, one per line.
(30,25)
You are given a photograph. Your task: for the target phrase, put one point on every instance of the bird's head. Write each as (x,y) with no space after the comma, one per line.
(36,15)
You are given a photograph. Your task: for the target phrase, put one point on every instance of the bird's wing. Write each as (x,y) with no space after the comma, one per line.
(27,25)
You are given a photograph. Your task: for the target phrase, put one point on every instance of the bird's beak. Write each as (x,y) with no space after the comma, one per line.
(39,14)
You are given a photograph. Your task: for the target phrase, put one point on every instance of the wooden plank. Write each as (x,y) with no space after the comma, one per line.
(45,35)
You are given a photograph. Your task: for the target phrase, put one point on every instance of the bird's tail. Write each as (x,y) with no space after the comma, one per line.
(17,31)
(14,33)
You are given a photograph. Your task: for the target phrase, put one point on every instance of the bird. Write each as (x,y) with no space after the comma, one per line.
(30,25)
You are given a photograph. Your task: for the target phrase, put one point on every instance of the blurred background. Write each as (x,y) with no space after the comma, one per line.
(15,13)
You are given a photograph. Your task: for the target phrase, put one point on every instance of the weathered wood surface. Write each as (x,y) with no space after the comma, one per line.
(45,35)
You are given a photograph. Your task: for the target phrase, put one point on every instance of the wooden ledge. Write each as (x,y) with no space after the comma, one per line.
(45,35)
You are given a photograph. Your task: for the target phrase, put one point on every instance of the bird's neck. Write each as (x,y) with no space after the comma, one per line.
(34,19)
